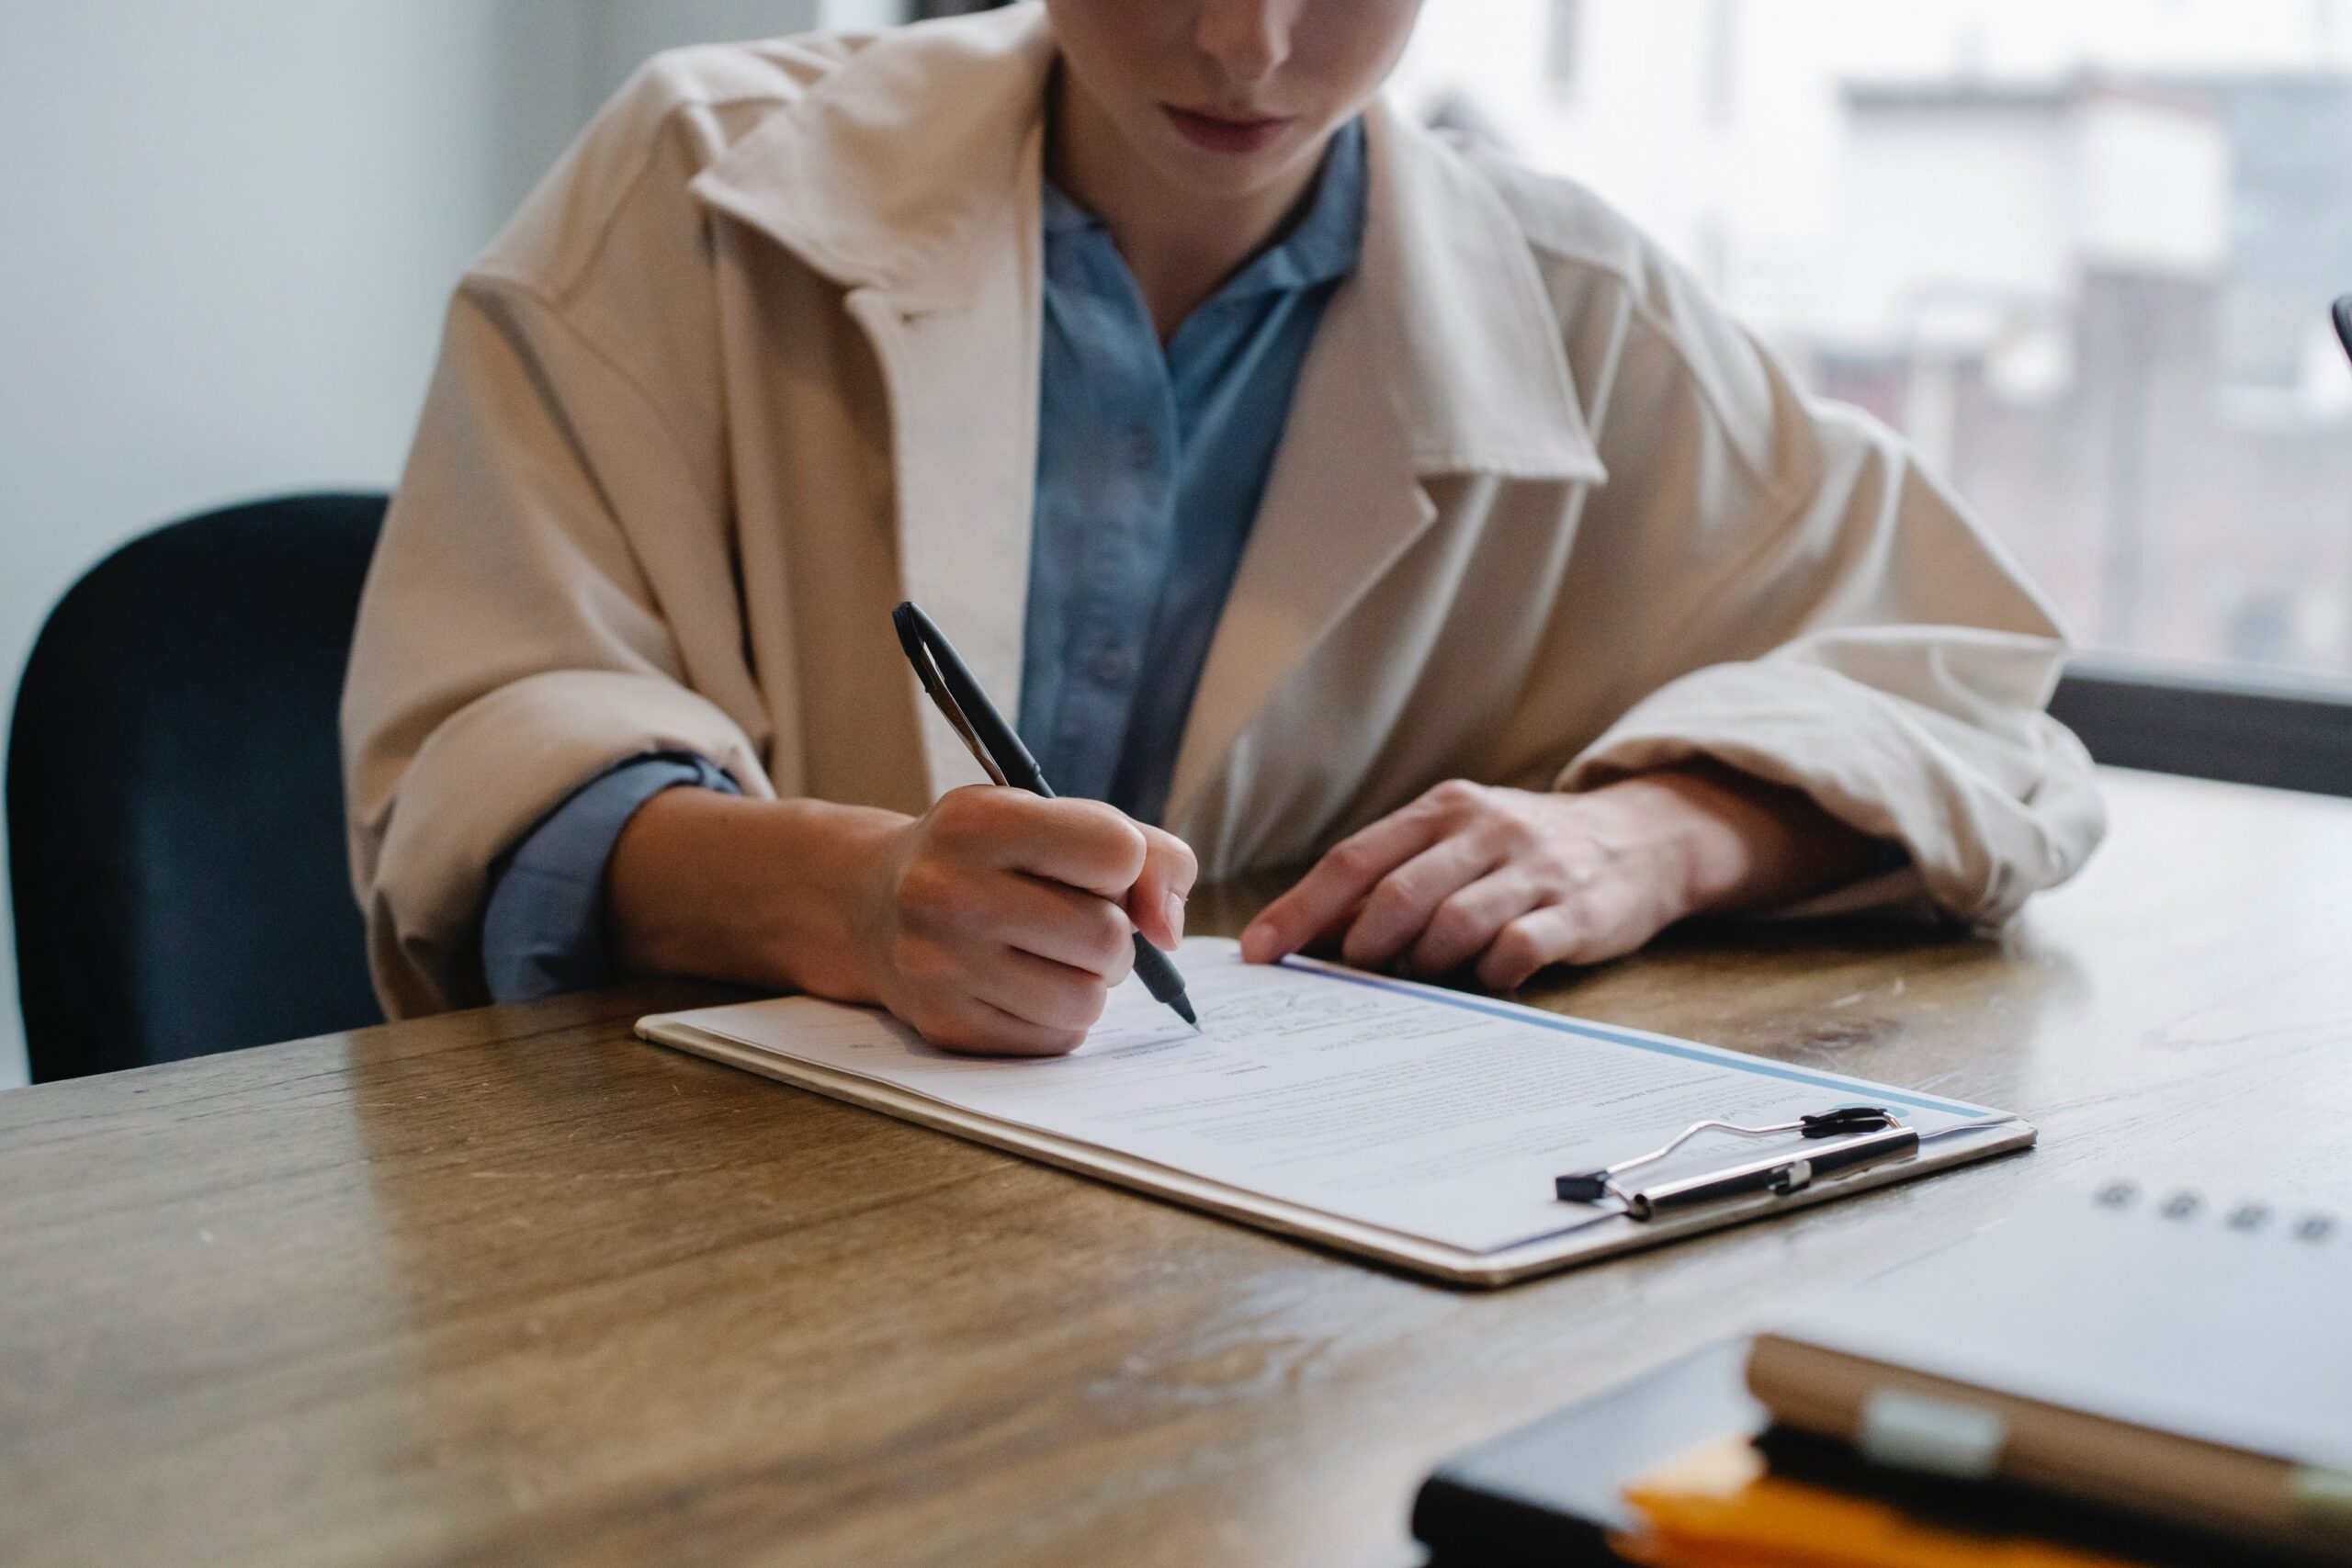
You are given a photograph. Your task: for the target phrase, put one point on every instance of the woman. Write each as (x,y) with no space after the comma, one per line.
(1314,487)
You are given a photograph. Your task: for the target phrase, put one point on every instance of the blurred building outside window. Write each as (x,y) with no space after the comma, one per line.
(1563,47)
(2080,251)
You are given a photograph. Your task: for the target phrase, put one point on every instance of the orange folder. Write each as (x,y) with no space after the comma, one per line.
(1716,1506)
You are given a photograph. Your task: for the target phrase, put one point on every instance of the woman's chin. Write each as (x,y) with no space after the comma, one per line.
(1221,176)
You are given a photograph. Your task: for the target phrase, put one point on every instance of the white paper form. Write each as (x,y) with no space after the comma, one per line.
(1426,1112)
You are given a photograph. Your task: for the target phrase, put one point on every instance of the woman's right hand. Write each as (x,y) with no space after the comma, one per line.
(996,922)
(999,921)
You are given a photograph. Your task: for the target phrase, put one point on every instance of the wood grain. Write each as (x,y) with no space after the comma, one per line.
(510,1288)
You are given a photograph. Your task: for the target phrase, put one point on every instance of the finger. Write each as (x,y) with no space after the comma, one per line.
(1056,922)
(1082,843)
(1038,990)
(1342,880)
(1156,903)
(976,1028)
(1399,909)
(1534,940)
(1085,844)
(1464,924)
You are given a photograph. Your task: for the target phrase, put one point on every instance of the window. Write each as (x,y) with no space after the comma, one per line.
(2080,251)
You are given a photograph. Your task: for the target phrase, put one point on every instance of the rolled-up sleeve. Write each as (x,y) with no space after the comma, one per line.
(518,633)
(1822,613)
(543,930)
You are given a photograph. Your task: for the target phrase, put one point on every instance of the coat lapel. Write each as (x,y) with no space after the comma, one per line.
(1441,355)
(911,175)
(963,386)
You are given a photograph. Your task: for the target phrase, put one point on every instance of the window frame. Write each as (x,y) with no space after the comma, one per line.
(2278,729)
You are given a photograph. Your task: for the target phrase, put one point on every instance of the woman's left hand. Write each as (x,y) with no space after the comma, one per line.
(1514,881)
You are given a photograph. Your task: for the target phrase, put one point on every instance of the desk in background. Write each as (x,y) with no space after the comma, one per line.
(509,1287)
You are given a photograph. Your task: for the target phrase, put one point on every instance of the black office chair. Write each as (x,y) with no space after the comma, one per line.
(175,798)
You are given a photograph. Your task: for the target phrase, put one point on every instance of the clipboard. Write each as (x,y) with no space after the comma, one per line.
(1589,1239)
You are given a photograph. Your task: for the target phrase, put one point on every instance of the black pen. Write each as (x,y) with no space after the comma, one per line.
(1008,762)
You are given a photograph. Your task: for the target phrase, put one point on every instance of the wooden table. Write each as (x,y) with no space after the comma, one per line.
(508,1287)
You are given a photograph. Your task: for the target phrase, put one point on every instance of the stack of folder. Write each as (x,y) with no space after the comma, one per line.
(1720,1506)
(2109,1379)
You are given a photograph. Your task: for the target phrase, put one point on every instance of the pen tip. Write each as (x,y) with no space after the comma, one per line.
(1184,1006)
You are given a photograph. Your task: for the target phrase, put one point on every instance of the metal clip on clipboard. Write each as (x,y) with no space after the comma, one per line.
(1851,1137)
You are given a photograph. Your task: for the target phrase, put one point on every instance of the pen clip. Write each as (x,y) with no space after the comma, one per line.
(935,687)
(928,669)
(994,743)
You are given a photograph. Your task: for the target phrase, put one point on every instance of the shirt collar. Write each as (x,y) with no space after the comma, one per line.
(1064,216)
(1322,246)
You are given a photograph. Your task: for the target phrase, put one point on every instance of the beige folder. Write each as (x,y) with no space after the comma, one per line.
(2152,1353)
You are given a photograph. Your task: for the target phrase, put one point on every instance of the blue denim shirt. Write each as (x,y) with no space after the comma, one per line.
(1151,463)
(1150,467)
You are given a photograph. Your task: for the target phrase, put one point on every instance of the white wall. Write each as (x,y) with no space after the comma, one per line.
(227,230)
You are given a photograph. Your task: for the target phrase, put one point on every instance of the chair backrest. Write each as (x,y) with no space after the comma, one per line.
(175,793)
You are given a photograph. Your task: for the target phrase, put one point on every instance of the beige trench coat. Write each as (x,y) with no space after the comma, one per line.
(760,358)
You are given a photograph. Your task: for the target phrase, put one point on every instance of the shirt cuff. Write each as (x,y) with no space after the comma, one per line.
(543,929)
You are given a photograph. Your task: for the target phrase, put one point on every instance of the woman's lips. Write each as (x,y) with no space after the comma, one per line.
(1223,133)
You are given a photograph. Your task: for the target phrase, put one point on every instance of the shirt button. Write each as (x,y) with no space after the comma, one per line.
(1110,666)
(1143,450)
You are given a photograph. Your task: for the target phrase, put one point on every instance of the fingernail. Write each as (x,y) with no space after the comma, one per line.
(1176,915)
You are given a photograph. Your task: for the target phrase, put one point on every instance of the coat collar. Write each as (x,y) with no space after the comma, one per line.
(884,173)
(888,171)
(911,177)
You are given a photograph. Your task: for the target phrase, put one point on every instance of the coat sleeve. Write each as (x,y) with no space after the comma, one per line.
(514,639)
(1819,612)
(558,585)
